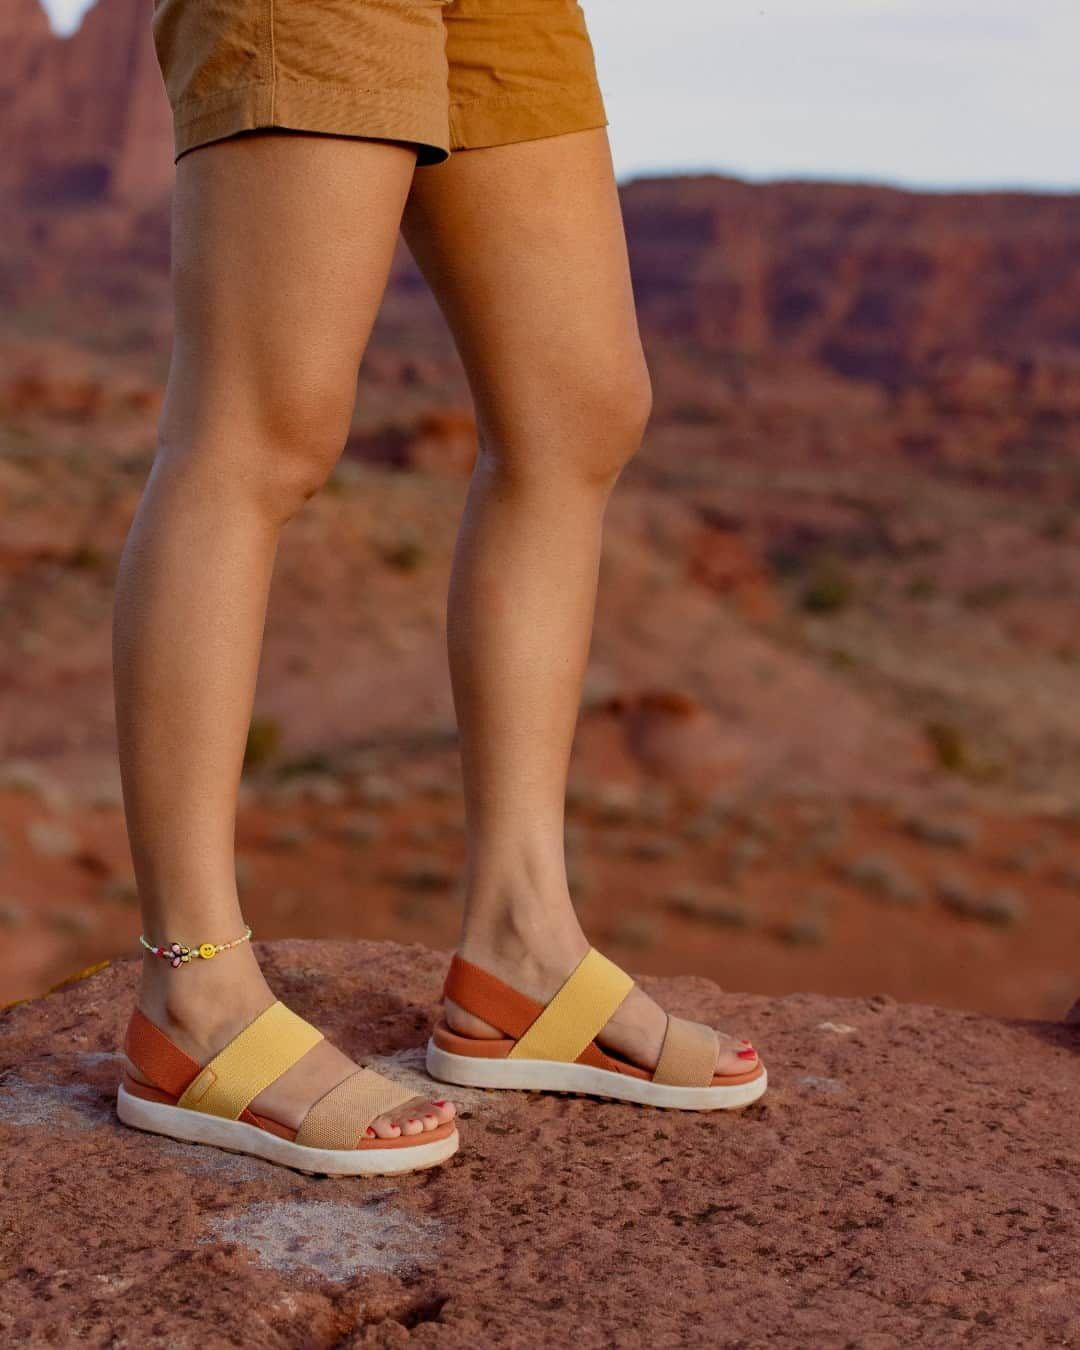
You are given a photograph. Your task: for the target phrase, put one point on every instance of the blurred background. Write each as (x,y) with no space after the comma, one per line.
(830,733)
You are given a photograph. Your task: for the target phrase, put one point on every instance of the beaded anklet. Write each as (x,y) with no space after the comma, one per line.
(178,955)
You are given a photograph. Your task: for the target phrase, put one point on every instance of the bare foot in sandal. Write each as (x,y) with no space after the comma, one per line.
(204,1006)
(637,1034)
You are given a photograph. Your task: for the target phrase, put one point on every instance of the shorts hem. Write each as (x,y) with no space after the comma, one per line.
(507,118)
(338,110)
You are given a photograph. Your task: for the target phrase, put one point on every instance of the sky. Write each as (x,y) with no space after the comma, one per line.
(920,93)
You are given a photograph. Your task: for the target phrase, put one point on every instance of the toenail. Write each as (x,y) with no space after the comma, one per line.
(442,1103)
(746,1054)
(370,1132)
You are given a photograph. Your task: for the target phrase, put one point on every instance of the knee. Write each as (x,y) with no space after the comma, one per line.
(614,406)
(274,445)
(586,424)
(625,406)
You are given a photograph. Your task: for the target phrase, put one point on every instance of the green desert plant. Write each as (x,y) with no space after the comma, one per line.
(716,909)
(426,874)
(944,832)
(803,930)
(405,554)
(956,893)
(360,828)
(829,588)
(949,745)
(1002,907)
(263,741)
(884,878)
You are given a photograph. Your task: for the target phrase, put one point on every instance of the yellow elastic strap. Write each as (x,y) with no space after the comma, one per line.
(577,1012)
(250,1063)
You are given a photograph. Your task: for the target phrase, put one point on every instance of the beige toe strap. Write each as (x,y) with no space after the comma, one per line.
(688,1055)
(340,1117)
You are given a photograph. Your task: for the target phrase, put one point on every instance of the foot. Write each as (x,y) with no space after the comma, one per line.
(635,1030)
(202,1006)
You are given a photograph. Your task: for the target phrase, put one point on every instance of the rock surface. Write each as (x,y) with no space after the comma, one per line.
(910,1179)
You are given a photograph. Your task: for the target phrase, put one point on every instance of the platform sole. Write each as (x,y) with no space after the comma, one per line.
(195,1127)
(543,1075)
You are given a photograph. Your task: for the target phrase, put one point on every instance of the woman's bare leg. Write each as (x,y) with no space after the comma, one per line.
(281,250)
(524,247)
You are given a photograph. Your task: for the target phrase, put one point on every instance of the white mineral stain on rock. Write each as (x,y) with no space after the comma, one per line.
(816,1084)
(331,1239)
(64,1106)
(201,1160)
(841,1028)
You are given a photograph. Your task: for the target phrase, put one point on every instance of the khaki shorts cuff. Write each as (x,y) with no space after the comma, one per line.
(520,117)
(380,114)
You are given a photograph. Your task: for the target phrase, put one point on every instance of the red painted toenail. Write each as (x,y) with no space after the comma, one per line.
(746,1054)
(442,1103)
(370,1132)
(413,1120)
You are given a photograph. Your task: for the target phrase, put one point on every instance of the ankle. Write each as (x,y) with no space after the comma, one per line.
(197,1001)
(532,946)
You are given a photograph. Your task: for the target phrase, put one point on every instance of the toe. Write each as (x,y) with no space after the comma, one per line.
(416,1116)
(430,1114)
(735,1055)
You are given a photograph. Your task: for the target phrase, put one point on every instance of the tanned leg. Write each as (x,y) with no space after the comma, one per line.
(524,248)
(281,250)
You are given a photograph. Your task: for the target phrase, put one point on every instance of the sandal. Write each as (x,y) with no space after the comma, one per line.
(210,1104)
(552,1048)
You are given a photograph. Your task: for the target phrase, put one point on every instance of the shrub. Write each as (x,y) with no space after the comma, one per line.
(718,910)
(263,741)
(922,588)
(829,589)
(1003,907)
(956,894)
(944,833)
(948,743)
(885,878)
(405,554)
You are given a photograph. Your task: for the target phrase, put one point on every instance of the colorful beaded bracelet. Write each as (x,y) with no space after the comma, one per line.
(178,955)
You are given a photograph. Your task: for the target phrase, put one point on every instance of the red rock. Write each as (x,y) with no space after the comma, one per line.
(85,118)
(673,736)
(724,561)
(898,1160)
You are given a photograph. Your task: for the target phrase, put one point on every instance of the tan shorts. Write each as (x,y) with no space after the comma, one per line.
(443,74)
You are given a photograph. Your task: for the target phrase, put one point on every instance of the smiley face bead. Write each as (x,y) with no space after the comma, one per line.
(178,954)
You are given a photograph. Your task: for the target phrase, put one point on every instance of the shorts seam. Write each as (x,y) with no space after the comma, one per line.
(528,95)
(273,62)
(219,96)
(203,101)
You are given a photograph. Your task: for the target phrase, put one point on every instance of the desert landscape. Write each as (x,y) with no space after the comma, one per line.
(829,739)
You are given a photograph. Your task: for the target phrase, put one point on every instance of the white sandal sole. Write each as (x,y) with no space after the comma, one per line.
(195,1127)
(544,1075)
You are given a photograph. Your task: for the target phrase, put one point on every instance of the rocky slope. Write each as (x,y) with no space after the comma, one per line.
(829,734)
(911,1179)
